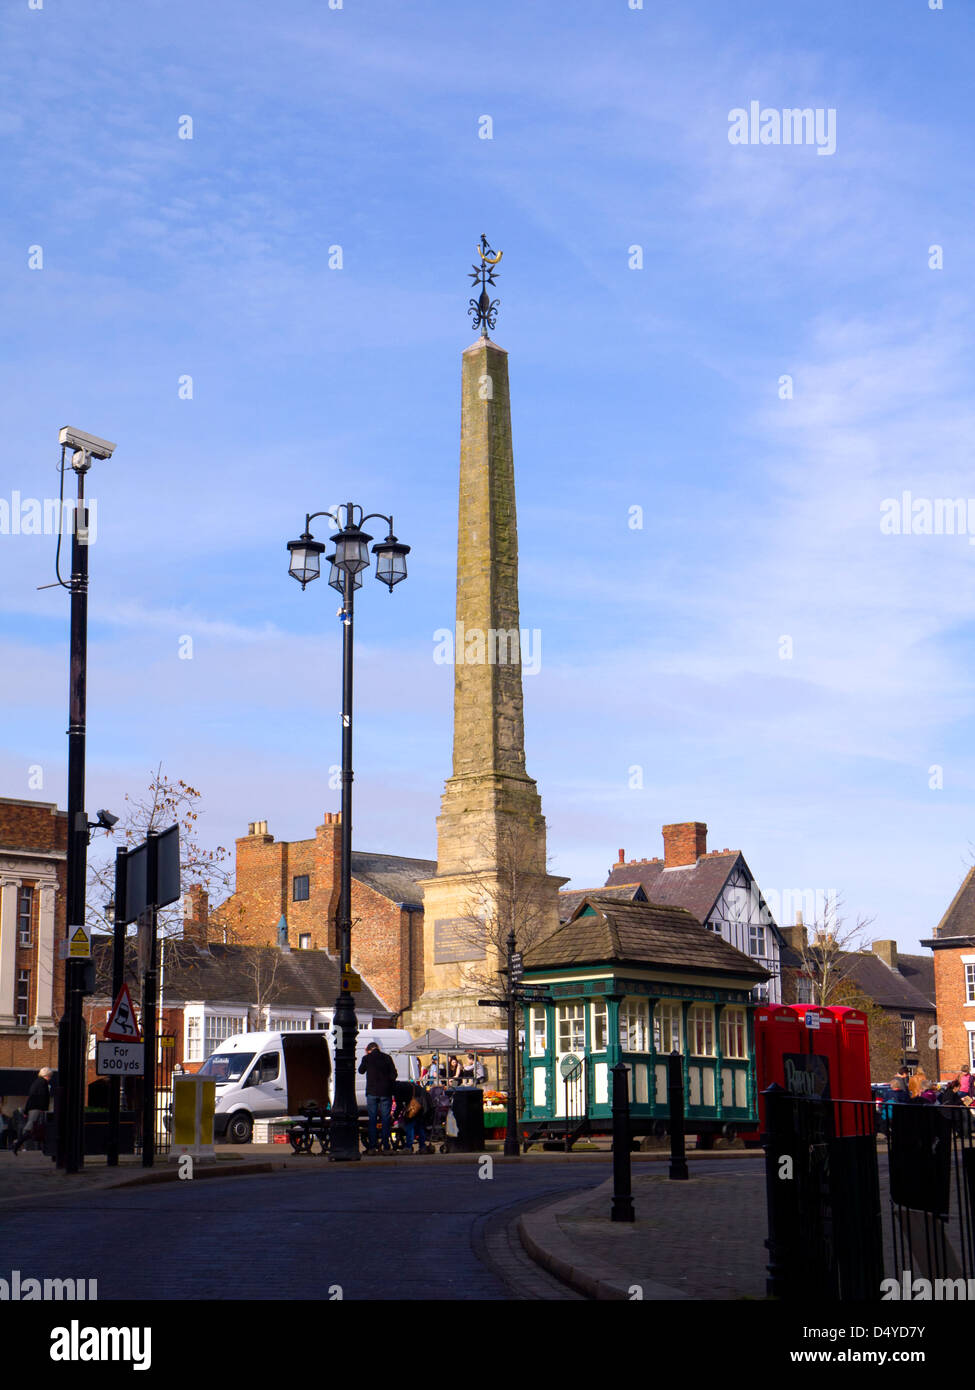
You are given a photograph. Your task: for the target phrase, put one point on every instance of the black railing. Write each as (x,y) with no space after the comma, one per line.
(825,1233)
(932,1172)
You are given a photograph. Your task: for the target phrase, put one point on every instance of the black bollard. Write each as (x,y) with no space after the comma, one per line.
(675,1099)
(622,1196)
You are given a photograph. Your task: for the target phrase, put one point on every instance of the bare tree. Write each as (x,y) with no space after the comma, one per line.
(828,953)
(507,894)
(260,965)
(163,803)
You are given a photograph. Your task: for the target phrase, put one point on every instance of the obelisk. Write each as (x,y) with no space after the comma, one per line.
(491,856)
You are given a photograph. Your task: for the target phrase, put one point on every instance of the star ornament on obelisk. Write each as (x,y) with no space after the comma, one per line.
(484,309)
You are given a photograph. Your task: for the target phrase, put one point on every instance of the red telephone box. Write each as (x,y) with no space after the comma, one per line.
(834,1032)
(777,1032)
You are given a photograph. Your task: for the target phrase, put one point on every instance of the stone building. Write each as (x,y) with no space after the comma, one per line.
(298,881)
(33,880)
(718,888)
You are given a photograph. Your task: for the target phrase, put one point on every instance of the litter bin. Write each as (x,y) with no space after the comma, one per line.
(467,1107)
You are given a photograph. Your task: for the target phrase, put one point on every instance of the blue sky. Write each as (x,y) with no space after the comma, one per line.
(655,388)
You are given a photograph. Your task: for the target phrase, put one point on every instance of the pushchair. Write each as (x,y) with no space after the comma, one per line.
(429,1125)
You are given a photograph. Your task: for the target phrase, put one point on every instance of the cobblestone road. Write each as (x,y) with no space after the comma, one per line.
(394,1234)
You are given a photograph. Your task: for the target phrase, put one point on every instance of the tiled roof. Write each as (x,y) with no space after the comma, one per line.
(392,876)
(303,979)
(639,933)
(910,986)
(959,918)
(570,900)
(696,886)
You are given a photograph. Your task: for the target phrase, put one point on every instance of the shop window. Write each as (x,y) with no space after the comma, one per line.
(700,1030)
(667,1031)
(194,1038)
(219,1027)
(634,1030)
(733,1035)
(539,1032)
(572,1027)
(600,1026)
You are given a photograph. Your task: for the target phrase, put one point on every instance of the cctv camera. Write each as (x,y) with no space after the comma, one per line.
(89,444)
(106,820)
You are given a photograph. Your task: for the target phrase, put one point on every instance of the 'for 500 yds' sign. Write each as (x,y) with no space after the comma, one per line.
(120,1059)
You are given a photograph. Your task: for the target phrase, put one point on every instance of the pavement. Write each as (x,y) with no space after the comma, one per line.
(699,1239)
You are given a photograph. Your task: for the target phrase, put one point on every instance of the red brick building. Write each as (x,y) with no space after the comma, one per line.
(953,945)
(299,881)
(33,882)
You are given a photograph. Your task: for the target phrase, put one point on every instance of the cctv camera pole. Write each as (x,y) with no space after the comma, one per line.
(71,1049)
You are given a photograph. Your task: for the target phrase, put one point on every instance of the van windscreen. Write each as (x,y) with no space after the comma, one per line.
(226,1066)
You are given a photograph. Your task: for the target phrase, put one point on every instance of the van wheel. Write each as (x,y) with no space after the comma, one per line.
(240,1128)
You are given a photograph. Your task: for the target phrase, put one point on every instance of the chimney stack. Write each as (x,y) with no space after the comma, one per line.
(684,843)
(196,913)
(887,951)
(622,858)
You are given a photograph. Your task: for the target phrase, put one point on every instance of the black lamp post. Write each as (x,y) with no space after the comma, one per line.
(349,562)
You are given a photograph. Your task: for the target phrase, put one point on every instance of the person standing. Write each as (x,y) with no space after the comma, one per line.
(899,1086)
(38,1100)
(379,1069)
(965,1080)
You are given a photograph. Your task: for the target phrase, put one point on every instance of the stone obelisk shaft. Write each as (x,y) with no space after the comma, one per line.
(491,832)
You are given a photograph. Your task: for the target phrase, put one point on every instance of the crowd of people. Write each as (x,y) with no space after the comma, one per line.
(916,1087)
(413,1106)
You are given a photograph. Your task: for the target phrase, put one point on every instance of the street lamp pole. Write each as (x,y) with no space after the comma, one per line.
(351,558)
(344,1126)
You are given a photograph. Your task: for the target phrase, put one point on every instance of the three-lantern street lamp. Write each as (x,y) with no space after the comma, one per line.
(349,562)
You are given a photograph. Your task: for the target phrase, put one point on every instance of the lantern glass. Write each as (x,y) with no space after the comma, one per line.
(304,562)
(352,550)
(391,561)
(337,577)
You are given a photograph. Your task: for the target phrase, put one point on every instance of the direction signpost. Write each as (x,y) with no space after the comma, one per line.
(146,879)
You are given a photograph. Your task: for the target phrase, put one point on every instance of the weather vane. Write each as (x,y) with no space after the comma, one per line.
(484,309)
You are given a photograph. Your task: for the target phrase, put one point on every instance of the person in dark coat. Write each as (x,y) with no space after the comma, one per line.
(405,1093)
(36,1105)
(379,1069)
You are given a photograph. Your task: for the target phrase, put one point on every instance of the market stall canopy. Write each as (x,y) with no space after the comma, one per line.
(481,1040)
(433,1040)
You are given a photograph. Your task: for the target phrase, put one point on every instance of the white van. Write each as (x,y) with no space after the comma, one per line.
(263,1076)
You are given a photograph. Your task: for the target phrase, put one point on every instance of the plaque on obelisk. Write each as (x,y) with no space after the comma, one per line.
(491,859)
